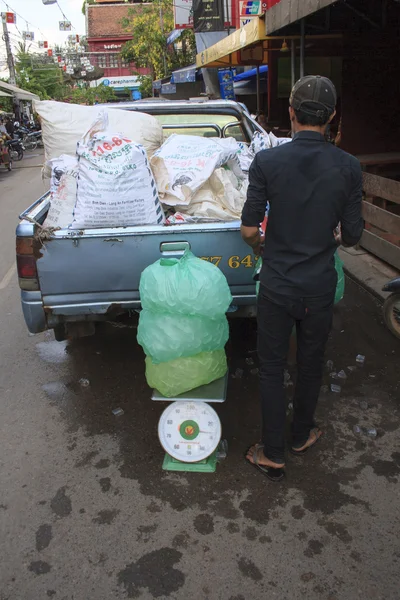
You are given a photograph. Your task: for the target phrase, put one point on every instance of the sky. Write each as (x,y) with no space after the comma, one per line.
(43,21)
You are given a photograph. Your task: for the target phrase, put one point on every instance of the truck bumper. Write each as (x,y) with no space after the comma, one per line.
(32,307)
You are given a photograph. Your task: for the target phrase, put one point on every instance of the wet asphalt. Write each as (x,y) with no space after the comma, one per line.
(86,512)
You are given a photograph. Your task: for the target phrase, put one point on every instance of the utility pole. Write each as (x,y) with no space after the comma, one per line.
(162,32)
(10,58)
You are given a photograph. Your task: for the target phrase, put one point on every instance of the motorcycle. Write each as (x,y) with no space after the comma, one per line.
(15,149)
(3,159)
(391,306)
(30,139)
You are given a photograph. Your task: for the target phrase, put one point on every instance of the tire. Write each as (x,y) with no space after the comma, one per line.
(9,166)
(29,144)
(17,154)
(391,314)
(60,333)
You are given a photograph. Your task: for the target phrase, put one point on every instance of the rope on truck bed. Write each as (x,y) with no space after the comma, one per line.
(42,234)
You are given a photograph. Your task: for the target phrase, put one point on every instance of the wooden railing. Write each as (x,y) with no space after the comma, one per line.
(381,210)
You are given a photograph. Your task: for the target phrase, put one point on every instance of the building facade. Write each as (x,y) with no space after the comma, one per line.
(106,38)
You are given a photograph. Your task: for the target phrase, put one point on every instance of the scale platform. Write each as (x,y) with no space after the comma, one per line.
(208,465)
(212,392)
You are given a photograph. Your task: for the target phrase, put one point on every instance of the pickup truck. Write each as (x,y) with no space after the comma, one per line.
(77,278)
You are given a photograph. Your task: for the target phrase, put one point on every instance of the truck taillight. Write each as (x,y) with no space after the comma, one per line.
(26,264)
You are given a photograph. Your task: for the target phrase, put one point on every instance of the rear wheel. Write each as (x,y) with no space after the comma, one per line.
(17,154)
(30,144)
(391,314)
(9,166)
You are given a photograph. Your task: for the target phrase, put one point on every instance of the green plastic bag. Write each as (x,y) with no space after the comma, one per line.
(183,374)
(188,286)
(340,282)
(166,337)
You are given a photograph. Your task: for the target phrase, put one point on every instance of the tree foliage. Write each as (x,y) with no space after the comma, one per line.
(34,75)
(84,5)
(148,46)
(146,86)
(92,95)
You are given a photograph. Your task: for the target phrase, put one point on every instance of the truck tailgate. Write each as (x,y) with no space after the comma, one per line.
(97,268)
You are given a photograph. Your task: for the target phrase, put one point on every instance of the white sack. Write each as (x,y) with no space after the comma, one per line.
(63,186)
(116,187)
(185,162)
(64,124)
(221,198)
(245,155)
(263,141)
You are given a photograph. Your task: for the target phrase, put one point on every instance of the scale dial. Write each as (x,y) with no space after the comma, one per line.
(189,431)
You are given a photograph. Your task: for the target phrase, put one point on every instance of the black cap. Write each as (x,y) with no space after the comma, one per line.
(314,95)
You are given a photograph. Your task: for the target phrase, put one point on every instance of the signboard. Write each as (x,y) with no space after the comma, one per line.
(168,88)
(208,15)
(127,81)
(9,17)
(28,36)
(65,26)
(245,20)
(225,78)
(49,52)
(183,14)
(41,44)
(250,8)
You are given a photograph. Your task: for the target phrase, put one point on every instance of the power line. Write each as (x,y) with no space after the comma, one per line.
(23,18)
(63,14)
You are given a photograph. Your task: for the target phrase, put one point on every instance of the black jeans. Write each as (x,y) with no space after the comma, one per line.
(276,318)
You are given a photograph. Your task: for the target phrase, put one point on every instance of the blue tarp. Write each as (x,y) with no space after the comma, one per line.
(251,73)
(173,36)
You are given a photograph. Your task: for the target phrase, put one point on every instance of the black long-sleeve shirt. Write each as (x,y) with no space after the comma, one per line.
(311,187)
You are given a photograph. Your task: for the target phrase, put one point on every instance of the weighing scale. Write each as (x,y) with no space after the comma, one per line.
(190,430)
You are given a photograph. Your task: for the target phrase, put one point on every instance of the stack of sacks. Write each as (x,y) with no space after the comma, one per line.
(64,124)
(108,183)
(192,172)
(182,327)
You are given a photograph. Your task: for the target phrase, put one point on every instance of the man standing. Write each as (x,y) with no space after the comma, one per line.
(311,187)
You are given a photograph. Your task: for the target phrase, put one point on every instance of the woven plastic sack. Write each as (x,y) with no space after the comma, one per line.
(188,286)
(183,374)
(340,283)
(166,337)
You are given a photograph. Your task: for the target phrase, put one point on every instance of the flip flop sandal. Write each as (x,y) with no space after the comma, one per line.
(315,431)
(272,473)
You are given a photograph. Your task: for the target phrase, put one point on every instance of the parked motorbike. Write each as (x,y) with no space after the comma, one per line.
(15,149)
(30,139)
(391,306)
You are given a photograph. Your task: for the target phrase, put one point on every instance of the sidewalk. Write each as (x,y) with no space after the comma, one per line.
(367,270)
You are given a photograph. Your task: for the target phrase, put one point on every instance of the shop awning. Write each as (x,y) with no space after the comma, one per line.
(227,52)
(285,12)
(252,73)
(17,92)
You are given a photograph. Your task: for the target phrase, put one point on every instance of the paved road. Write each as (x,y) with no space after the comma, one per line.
(88,514)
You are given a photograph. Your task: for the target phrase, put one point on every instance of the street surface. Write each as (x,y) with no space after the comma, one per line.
(86,513)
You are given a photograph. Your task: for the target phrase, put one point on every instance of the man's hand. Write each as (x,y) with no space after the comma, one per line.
(252,237)
(259,249)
